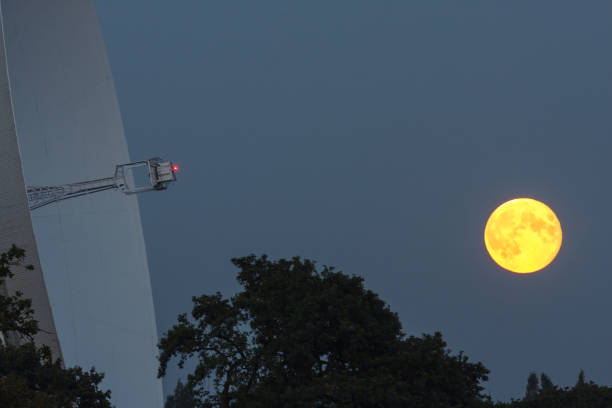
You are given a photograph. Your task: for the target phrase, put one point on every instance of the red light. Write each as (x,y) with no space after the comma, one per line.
(175,168)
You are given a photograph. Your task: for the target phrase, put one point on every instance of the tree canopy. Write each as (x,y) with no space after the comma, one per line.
(29,376)
(583,395)
(301,336)
(181,398)
(16,314)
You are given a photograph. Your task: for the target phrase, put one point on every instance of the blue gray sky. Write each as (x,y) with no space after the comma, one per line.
(378,137)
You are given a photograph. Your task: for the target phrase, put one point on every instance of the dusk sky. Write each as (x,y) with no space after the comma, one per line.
(378,137)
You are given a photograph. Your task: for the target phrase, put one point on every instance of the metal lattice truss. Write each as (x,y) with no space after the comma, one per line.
(157,175)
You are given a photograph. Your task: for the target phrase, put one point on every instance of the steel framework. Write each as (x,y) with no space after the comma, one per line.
(158,175)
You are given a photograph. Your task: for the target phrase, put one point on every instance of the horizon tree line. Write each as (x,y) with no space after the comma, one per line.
(294,336)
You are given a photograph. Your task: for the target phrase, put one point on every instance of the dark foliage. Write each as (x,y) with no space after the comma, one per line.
(16,314)
(546,382)
(580,382)
(29,377)
(582,395)
(296,336)
(181,398)
(533,386)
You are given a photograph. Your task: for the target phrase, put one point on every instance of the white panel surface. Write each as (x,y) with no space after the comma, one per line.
(15,221)
(91,248)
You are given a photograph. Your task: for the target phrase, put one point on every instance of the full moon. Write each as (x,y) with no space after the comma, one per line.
(523,235)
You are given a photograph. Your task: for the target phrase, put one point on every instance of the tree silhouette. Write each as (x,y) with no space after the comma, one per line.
(582,395)
(16,314)
(546,382)
(533,386)
(580,382)
(181,398)
(299,336)
(29,377)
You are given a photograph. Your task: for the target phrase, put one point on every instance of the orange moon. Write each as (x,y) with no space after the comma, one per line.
(523,235)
